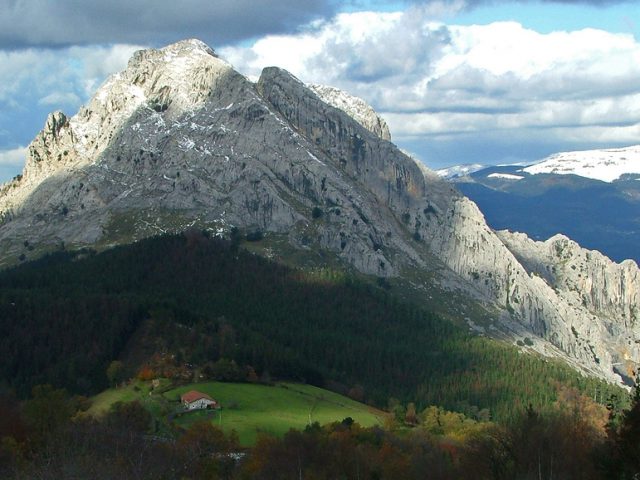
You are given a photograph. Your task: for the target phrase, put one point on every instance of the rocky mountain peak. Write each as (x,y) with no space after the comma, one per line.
(355,107)
(167,82)
(55,122)
(172,79)
(187,47)
(180,140)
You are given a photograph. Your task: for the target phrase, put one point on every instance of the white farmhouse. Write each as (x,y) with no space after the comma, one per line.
(194,400)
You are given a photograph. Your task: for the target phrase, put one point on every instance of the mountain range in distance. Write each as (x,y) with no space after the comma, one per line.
(592,196)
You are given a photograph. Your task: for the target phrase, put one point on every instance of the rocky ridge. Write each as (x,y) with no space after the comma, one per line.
(604,165)
(355,107)
(606,292)
(179,139)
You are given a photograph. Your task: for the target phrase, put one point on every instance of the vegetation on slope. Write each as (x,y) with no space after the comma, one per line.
(207,304)
(50,437)
(248,409)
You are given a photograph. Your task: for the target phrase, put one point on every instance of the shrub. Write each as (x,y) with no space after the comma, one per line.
(254,236)
(316,212)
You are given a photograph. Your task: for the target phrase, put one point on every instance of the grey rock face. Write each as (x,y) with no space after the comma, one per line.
(355,107)
(602,294)
(180,139)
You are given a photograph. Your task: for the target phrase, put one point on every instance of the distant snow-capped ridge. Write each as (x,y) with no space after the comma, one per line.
(460,170)
(505,176)
(605,165)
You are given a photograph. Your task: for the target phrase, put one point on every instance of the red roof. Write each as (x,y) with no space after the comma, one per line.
(193,396)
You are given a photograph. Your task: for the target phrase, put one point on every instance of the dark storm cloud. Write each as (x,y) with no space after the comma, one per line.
(45,23)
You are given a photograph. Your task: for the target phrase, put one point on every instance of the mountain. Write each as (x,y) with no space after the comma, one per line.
(355,107)
(603,165)
(592,197)
(179,140)
(191,303)
(460,170)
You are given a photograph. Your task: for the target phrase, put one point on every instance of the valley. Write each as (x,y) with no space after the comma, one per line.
(244,328)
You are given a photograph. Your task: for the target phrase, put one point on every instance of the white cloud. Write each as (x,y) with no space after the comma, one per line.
(60,98)
(49,74)
(13,158)
(433,81)
(100,62)
(34,82)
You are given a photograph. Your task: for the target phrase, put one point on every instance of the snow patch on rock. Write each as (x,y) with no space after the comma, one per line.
(505,176)
(460,170)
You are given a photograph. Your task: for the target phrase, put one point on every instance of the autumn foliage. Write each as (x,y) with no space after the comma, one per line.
(569,442)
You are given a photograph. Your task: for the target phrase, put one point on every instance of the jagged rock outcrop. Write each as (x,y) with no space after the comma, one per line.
(604,295)
(591,279)
(355,107)
(179,139)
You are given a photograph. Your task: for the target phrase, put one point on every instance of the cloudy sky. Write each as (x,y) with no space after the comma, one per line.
(458,81)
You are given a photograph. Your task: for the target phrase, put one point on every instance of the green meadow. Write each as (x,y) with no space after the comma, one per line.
(248,409)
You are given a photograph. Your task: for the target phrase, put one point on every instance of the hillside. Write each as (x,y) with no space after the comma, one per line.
(168,302)
(249,409)
(180,140)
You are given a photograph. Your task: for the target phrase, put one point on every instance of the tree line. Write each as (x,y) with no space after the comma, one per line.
(207,305)
(50,436)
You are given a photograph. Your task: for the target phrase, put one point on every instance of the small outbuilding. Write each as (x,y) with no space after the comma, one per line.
(194,400)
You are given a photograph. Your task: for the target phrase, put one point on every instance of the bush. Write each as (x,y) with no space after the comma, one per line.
(429,210)
(225,370)
(254,236)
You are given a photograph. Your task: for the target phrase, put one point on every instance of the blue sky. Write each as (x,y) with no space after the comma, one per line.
(457,81)
(549,17)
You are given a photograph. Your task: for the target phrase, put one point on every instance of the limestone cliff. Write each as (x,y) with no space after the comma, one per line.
(179,139)
(604,295)
(355,107)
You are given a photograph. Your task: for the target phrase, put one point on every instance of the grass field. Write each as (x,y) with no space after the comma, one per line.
(249,408)
(102,402)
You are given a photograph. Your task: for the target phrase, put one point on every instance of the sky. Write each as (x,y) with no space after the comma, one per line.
(458,81)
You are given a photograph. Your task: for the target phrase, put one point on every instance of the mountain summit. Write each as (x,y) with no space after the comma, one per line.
(180,139)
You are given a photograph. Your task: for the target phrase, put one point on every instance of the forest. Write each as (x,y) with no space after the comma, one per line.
(50,436)
(67,316)
(187,306)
